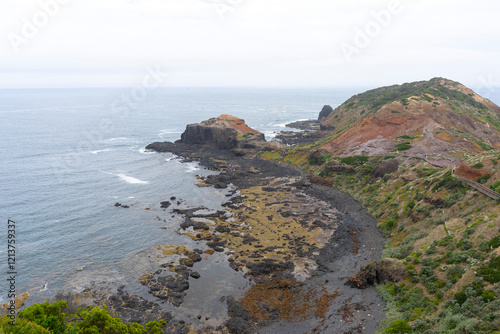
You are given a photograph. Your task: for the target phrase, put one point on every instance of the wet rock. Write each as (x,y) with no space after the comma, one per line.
(169,288)
(186,262)
(386,270)
(239,321)
(165,204)
(222,229)
(269,266)
(195,275)
(188,222)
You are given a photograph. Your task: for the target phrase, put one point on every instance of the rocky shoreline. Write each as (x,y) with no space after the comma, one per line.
(299,285)
(284,246)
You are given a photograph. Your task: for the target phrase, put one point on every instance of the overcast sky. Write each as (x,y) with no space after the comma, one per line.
(270,43)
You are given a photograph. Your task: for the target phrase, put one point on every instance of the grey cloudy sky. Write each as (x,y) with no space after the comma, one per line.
(314,43)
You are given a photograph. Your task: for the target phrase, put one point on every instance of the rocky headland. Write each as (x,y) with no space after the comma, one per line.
(396,187)
(297,242)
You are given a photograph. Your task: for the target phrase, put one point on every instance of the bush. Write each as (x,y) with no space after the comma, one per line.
(456,257)
(403,147)
(460,297)
(455,273)
(21,326)
(494,243)
(488,296)
(496,186)
(483,179)
(491,272)
(478,166)
(47,316)
(427,98)
(399,327)
(355,160)
(389,225)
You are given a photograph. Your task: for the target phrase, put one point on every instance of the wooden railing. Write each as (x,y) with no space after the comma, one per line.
(481,188)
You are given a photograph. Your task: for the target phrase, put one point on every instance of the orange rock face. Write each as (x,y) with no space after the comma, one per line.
(232,122)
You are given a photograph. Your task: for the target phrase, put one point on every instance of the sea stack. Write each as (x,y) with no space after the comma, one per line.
(224,132)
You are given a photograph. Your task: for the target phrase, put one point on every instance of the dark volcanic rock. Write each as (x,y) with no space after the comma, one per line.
(325,112)
(170,288)
(269,266)
(222,138)
(225,132)
(165,205)
(239,321)
(301,137)
(311,125)
(386,167)
(195,275)
(379,272)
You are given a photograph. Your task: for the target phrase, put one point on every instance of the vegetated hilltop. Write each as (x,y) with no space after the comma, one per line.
(439,115)
(409,154)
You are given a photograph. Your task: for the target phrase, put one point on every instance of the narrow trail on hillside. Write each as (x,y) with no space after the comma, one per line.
(476,185)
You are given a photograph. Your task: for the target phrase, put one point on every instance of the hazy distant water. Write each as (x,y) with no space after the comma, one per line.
(62,171)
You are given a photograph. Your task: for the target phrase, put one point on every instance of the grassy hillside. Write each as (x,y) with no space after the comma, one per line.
(443,231)
(426,110)
(446,234)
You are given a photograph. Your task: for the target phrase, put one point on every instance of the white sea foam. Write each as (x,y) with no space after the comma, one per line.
(167,132)
(270,134)
(130,179)
(100,151)
(144,151)
(127,178)
(118,139)
(192,167)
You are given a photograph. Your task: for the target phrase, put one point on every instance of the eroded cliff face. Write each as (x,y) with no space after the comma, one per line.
(225,132)
(216,136)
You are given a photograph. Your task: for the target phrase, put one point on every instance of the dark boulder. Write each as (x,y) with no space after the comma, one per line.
(325,112)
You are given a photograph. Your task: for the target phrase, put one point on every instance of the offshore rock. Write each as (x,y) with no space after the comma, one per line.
(225,132)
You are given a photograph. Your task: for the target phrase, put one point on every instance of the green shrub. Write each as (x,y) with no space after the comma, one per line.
(491,272)
(496,186)
(455,273)
(494,243)
(46,315)
(399,327)
(478,166)
(449,182)
(46,318)
(21,326)
(403,146)
(355,160)
(488,296)
(483,179)
(389,225)
(427,98)
(456,257)
(460,297)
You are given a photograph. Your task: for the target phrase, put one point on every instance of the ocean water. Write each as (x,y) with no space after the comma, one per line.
(68,155)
